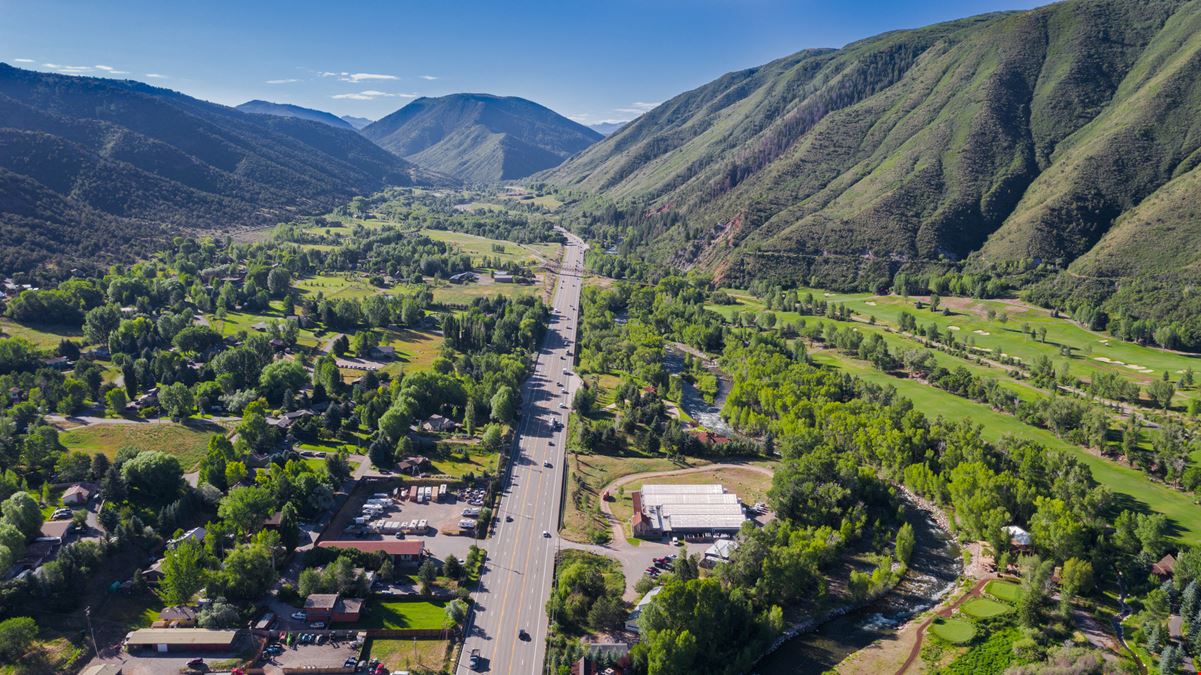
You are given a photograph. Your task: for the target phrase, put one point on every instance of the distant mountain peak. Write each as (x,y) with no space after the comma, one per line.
(261,107)
(481,138)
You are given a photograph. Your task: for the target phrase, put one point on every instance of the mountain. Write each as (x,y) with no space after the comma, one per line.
(480,138)
(1070,132)
(356,122)
(289,110)
(90,166)
(606,128)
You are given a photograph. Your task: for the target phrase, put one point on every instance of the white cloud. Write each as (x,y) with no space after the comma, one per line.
(157,76)
(23,60)
(428,77)
(370,95)
(68,70)
(356,78)
(111,71)
(288,80)
(638,107)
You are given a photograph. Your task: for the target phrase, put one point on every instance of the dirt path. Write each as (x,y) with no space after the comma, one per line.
(943,612)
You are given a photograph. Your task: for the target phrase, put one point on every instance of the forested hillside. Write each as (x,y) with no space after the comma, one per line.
(91,168)
(480,138)
(1004,138)
(289,110)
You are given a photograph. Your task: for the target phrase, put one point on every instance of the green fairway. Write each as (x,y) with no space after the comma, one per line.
(398,614)
(954,630)
(1004,590)
(983,608)
(187,442)
(1129,485)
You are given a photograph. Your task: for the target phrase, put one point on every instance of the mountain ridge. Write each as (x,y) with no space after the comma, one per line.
(262,107)
(480,138)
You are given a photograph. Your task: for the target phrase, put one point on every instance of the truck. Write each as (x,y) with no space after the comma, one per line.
(473,660)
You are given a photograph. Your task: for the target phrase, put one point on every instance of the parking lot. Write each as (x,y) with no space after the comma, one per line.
(442,517)
(328,655)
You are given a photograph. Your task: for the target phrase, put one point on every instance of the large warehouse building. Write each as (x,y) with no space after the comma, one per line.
(676,510)
(165,640)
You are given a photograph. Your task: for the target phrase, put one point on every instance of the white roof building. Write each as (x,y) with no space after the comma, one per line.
(632,621)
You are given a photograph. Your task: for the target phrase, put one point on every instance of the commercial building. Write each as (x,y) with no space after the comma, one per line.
(332,608)
(401,550)
(684,510)
(164,640)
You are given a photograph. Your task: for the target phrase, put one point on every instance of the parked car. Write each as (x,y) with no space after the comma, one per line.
(299,616)
(317,625)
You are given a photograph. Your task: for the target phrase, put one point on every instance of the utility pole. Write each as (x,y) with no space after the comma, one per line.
(87,612)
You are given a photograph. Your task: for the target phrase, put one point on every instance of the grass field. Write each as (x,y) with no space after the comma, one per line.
(415,349)
(455,465)
(409,655)
(1092,351)
(349,286)
(462,294)
(187,442)
(954,630)
(1131,486)
(589,474)
(417,614)
(42,337)
(1003,590)
(481,247)
(983,608)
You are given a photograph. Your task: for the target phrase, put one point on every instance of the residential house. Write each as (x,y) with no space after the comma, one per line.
(632,621)
(177,616)
(76,495)
(1165,568)
(403,551)
(438,424)
(332,608)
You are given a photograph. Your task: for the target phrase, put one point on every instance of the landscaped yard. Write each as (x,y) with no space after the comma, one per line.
(456,465)
(983,608)
(1004,590)
(409,655)
(400,614)
(42,337)
(953,630)
(187,442)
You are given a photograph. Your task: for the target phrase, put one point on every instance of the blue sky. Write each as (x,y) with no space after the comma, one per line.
(592,61)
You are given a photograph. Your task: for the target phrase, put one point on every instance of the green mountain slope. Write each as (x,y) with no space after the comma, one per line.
(1007,136)
(92,167)
(480,138)
(288,110)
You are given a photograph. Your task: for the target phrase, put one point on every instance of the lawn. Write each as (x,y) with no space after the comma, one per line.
(43,337)
(349,286)
(409,655)
(954,630)
(456,465)
(482,247)
(463,294)
(187,442)
(983,608)
(399,614)
(1003,590)
(1129,485)
(416,350)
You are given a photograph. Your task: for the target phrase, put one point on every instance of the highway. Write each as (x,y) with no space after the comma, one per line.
(509,624)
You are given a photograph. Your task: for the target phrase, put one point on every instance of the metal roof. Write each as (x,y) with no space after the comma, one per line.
(181,636)
(693,489)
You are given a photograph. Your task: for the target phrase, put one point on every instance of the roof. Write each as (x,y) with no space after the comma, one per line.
(178,613)
(1018,536)
(77,490)
(646,599)
(56,528)
(1165,566)
(321,601)
(411,547)
(348,606)
(721,549)
(181,636)
(102,669)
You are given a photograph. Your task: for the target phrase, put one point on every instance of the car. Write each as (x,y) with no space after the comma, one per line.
(197,663)
(350,662)
(322,639)
(563,405)
(675,541)
(546,534)
(474,659)
(318,625)
(508,519)
(299,616)
(548,464)
(522,635)
(60,515)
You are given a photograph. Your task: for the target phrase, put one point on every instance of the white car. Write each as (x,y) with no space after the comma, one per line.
(317,625)
(299,616)
(563,405)
(546,534)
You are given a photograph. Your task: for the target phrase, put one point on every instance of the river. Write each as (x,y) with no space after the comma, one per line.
(933,571)
(706,414)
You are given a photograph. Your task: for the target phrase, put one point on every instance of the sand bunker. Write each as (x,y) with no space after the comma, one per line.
(952,327)
(981,332)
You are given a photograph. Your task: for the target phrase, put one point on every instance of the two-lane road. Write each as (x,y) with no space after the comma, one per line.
(509,621)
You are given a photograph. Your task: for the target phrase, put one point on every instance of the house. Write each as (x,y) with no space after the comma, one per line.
(178,616)
(332,608)
(196,533)
(57,362)
(76,495)
(164,640)
(632,620)
(719,552)
(403,551)
(438,424)
(59,530)
(381,352)
(154,574)
(463,278)
(1020,540)
(1165,568)
(289,418)
(411,465)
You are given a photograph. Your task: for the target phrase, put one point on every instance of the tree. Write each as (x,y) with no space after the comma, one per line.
(281,376)
(337,465)
(177,400)
(427,574)
(246,507)
(452,568)
(183,572)
(196,339)
(248,573)
(394,424)
(153,477)
(1161,393)
(218,615)
(278,281)
(492,439)
(905,543)
(16,635)
(1075,578)
(504,404)
(116,401)
(21,511)
(289,527)
(456,612)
